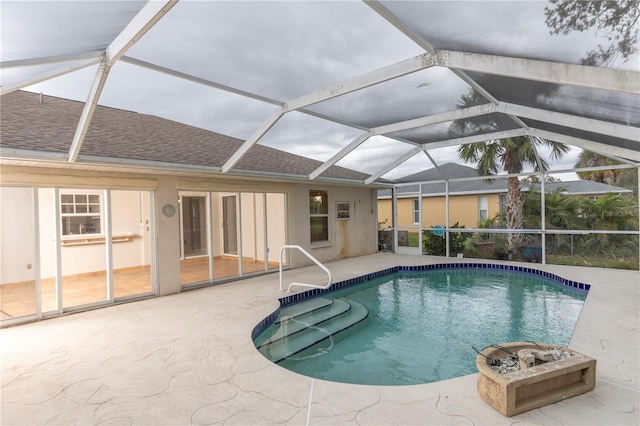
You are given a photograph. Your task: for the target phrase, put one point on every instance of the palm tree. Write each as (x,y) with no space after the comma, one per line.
(512,155)
(626,178)
(591,159)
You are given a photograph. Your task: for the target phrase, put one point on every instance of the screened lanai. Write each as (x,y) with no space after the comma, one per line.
(387,89)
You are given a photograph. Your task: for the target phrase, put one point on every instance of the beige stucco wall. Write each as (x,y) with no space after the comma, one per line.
(405,211)
(462,208)
(385,213)
(347,238)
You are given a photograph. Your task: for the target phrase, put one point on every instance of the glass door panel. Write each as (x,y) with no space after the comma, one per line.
(131,242)
(83,247)
(194,226)
(194,233)
(18,248)
(252,231)
(230,224)
(225,235)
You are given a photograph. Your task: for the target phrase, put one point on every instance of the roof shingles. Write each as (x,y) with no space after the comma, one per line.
(28,123)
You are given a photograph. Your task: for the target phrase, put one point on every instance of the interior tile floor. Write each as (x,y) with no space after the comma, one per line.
(19,299)
(188,358)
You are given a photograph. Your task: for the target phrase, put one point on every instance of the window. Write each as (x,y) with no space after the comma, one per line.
(416,211)
(483,208)
(503,203)
(319,215)
(81,213)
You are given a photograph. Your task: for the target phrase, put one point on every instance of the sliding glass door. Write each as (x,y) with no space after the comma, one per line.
(70,248)
(247,231)
(194,231)
(83,235)
(18,285)
(230,225)
(132,243)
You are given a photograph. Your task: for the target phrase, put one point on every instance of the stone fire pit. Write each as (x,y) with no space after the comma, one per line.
(538,375)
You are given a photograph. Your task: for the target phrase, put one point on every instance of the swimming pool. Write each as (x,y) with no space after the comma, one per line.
(409,326)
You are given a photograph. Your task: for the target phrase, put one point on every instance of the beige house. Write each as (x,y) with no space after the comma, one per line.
(470,201)
(145,210)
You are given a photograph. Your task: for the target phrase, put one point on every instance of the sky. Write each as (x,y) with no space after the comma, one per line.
(282,50)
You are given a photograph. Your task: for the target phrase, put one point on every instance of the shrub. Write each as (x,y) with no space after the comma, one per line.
(500,253)
(436,246)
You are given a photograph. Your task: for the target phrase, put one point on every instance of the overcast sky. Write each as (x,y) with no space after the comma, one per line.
(282,50)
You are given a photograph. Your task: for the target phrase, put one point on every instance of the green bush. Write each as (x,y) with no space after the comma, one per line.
(436,246)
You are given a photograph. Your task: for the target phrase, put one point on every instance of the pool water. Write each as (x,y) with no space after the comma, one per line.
(422,327)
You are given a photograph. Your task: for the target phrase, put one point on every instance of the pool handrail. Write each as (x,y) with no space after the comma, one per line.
(316,261)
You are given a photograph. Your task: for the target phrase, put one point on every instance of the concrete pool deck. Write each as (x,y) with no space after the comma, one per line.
(188,359)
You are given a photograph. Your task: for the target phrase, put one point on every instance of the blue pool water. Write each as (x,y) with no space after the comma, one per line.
(421,327)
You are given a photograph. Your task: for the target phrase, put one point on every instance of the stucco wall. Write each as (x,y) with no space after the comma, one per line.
(347,238)
(405,211)
(462,208)
(385,213)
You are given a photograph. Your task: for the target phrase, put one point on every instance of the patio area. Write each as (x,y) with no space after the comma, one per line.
(188,359)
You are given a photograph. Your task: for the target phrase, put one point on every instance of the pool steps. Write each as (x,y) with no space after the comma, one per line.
(304,326)
(303,308)
(292,324)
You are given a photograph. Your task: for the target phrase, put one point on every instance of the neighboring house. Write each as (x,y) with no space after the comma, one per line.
(147,195)
(470,201)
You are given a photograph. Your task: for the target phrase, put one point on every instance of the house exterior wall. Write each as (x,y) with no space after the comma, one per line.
(277,226)
(405,211)
(462,208)
(385,213)
(347,238)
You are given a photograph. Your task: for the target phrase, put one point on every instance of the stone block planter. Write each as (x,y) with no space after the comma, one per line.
(540,384)
(485,248)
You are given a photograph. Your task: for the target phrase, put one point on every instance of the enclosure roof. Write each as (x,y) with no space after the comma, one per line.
(370,86)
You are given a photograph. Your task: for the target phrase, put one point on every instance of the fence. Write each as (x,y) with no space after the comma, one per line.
(607,249)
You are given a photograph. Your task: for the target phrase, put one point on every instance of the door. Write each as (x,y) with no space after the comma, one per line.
(194,226)
(229,225)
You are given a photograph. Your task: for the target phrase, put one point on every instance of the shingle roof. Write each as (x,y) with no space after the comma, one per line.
(445,171)
(26,123)
(482,186)
(578,187)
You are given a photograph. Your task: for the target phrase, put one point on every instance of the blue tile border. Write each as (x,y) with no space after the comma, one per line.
(309,294)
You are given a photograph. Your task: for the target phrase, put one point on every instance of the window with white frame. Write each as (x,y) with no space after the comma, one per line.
(503,203)
(483,208)
(80,213)
(416,211)
(319,215)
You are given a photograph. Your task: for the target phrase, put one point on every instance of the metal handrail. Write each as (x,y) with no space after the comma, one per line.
(316,261)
